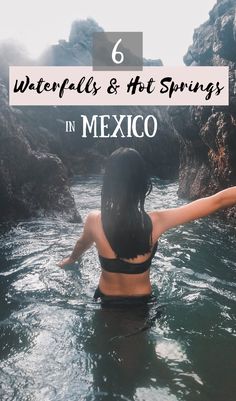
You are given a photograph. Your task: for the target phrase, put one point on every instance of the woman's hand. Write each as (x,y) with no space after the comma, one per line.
(66,262)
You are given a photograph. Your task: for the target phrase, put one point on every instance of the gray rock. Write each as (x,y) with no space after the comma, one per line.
(208,134)
(31,183)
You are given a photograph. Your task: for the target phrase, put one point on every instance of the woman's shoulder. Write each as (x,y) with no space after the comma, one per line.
(92,221)
(93,216)
(154,215)
(94,213)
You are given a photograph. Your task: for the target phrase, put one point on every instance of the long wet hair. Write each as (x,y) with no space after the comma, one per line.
(126,183)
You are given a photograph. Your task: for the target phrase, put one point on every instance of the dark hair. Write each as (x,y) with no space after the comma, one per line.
(126,184)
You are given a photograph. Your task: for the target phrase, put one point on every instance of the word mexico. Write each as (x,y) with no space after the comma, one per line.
(114,126)
(152,86)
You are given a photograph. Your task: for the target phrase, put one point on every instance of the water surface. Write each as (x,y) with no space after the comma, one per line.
(55,342)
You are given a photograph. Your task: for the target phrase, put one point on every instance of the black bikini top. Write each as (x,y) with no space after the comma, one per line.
(121,266)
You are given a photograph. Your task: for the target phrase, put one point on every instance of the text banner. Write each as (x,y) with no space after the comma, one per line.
(163,86)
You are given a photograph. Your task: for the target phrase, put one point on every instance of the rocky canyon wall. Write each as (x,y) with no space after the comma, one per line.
(208,134)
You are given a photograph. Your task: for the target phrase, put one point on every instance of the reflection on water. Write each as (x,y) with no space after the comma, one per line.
(57,344)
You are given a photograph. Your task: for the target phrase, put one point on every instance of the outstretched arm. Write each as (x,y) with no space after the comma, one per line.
(83,243)
(202,207)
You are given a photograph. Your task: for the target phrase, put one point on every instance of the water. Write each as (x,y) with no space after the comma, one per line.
(55,341)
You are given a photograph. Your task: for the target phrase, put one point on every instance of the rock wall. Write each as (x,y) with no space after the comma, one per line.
(31,182)
(208,134)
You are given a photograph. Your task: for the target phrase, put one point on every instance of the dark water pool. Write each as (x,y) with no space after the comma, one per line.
(55,342)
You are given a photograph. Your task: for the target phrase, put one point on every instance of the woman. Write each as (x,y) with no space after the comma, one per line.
(125,235)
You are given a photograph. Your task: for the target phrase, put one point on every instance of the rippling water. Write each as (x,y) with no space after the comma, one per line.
(55,341)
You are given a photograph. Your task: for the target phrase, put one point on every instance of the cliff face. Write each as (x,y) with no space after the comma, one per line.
(31,182)
(208,134)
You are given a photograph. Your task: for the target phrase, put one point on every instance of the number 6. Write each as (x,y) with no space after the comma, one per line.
(117,57)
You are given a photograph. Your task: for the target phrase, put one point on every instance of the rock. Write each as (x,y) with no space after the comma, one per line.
(78,49)
(208,134)
(31,183)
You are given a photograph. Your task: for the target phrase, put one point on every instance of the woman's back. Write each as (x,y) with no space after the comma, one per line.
(123,282)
